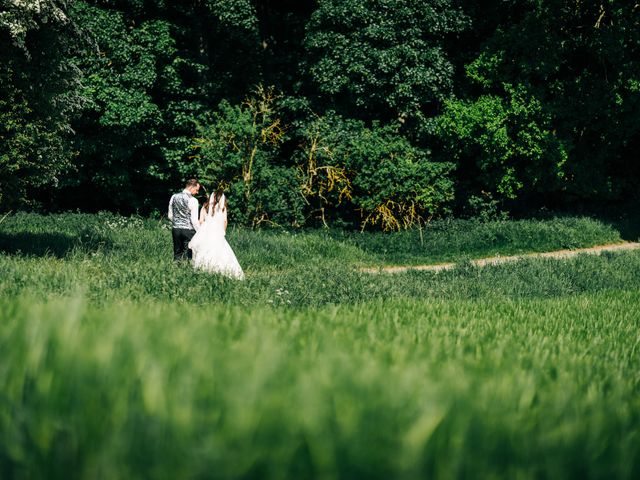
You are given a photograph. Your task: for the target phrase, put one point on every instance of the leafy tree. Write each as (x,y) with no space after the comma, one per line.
(382,59)
(160,68)
(100,102)
(118,134)
(325,183)
(395,185)
(38,98)
(340,171)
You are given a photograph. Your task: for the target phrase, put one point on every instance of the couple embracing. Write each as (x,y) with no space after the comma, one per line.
(201,237)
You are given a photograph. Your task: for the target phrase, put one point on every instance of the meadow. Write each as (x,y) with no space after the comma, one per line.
(117,363)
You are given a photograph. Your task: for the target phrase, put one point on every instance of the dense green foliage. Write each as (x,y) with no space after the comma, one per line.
(120,132)
(578,62)
(510,139)
(386,113)
(38,98)
(114,362)
(384,59)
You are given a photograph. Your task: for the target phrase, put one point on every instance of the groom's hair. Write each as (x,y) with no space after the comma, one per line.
(192,182)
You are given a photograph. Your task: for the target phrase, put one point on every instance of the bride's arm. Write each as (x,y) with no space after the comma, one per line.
(225,220)
(203,213)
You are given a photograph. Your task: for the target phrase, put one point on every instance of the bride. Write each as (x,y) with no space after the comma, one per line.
(211,252)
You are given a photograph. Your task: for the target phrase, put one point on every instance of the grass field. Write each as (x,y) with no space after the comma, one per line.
(116,363)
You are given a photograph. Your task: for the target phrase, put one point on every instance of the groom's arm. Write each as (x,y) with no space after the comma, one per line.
(193,206)
(170,213)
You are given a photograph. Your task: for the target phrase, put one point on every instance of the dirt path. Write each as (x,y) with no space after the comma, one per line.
(498,259)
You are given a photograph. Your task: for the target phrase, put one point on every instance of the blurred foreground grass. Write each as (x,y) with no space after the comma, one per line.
(386,389)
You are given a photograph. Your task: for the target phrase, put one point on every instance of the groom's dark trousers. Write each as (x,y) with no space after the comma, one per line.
(181,238)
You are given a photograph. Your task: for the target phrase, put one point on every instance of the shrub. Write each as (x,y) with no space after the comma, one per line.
(372,172)
(509,142)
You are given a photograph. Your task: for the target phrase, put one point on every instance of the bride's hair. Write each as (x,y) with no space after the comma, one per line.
(216,198)
(205,205)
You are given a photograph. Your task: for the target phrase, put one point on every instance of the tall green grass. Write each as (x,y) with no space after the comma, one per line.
(103,280)
(386,389)
(115,362)
(111,258)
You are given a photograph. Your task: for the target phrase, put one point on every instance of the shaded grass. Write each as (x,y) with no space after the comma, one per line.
(453,240)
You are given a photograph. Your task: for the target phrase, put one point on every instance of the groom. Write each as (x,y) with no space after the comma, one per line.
(183,213)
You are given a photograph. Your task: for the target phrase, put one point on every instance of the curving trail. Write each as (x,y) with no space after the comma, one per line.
(481,262)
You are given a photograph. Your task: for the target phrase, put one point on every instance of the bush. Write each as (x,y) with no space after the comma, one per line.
(341,169)
(372,172)
(506,146)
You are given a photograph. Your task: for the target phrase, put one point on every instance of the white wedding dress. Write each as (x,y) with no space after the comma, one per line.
(211,252)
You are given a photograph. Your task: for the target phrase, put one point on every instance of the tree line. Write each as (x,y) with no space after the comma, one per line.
(369,113)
